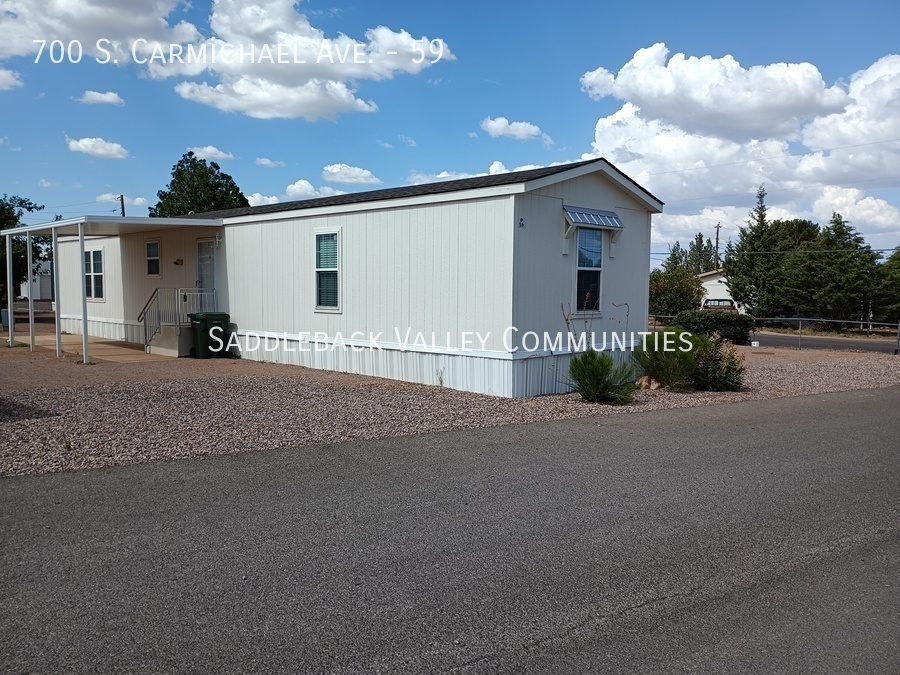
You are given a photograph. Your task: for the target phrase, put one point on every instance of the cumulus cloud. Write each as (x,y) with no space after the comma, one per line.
(109,97)
(382,144)
(248,59)
(270,81)
(406,139)
(259,199)
(303,189)
(9,79)
(706,164)
(43,182)
(855,207)
(344,173)
(97,147)
(521,131)
(268,163)
(210,152)
(718,96)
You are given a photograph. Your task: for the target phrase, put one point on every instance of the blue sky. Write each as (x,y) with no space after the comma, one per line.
(699,102)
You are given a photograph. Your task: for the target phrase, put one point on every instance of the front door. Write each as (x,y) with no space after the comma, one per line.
(206,272)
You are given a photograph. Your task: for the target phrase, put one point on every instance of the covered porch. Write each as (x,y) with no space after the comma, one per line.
(73,232)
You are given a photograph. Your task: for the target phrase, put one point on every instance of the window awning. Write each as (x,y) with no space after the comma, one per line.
(579,216)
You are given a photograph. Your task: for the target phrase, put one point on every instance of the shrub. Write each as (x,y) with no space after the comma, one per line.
(729,325)
(672,369)
(599,379)
(717,364)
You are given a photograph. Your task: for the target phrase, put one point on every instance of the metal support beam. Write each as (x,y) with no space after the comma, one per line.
(56,314)
(10,295)
(84,315)
(30,294)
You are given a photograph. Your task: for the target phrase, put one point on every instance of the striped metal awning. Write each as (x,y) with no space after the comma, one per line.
(577,216)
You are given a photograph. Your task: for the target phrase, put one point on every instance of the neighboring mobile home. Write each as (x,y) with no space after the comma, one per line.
(452,283)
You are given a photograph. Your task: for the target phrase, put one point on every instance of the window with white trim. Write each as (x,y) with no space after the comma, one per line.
(328,270)
(152,258)
(590,255)
(93,274)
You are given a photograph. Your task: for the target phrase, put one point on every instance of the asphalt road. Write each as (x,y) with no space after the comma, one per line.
(754,537)
(816,342)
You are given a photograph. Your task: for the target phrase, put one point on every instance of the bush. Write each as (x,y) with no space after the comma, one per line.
(717,364)
(599,379)
(672,369)
(728,325)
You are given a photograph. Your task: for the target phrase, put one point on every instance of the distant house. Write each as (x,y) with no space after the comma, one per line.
(41,284)
(716,291)
(452,283)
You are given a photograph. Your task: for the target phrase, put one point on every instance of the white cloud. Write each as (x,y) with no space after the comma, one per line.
(43,182)
(855,207)
(344,173)
(9,79)
(521,131)
(210,152)
(268,84)
(406,139)
(109,97)
(707,171)
(382,144)
(129,201)
(261,86)
(268,163)
(718,96)
(259,199)
(303,189)
(97,147)
(472,134)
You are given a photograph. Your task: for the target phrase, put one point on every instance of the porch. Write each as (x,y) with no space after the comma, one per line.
(114,288)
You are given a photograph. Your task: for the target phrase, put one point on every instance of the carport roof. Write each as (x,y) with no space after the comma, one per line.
(109,226)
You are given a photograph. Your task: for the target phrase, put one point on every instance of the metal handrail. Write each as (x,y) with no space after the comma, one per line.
(172,307)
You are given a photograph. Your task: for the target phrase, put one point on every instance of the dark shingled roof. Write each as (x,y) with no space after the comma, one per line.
(410,191)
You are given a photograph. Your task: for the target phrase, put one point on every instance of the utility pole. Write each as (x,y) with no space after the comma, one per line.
(718,227)
(122,203)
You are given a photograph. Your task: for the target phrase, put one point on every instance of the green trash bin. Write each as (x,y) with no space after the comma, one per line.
(207,346)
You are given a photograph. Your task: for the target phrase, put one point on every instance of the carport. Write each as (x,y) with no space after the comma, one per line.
(81,227)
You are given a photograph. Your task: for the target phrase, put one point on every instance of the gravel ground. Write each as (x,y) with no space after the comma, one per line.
(56,415)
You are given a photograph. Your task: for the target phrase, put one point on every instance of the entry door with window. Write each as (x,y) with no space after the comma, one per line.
(206,273)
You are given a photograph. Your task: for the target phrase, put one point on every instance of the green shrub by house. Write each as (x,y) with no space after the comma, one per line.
(718,366)
(731,326)
(672,368)
(599,379)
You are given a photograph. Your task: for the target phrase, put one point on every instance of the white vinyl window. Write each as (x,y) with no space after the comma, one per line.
(328,270)
(93,274)
(152,258)
(590,255)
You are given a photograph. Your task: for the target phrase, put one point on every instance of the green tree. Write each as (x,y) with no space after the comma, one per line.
(197,187)
(11,211)
(888,295)
(837,275)
(750,274)
(701,255)
(674,290)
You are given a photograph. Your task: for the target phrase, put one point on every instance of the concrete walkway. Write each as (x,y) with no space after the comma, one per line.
(101,349)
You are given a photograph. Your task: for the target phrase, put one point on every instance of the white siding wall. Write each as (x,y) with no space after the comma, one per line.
(440,268)
(110,308)
(545,278)
(443,268)
(126,283)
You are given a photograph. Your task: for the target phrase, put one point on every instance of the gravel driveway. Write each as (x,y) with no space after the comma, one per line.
(56,415)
